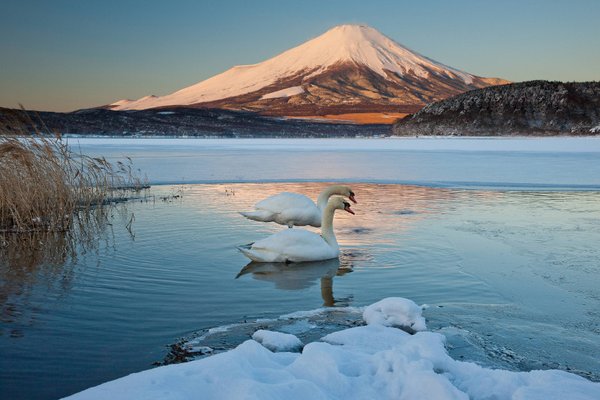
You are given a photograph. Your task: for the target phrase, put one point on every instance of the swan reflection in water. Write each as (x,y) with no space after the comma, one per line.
(299,276)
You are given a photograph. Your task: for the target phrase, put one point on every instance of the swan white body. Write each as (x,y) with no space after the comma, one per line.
(293,209)
(291,245)
(297,245)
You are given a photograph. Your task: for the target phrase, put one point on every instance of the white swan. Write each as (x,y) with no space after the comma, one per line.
(296,209)
(298,245)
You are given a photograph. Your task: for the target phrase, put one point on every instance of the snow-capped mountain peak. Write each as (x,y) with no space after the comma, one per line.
(290,74)
(366,46)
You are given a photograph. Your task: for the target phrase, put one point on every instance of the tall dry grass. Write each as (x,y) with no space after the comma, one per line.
(54,205)
(46,186)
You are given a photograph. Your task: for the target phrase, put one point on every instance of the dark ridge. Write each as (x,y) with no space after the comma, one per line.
(194,122)
(534,108)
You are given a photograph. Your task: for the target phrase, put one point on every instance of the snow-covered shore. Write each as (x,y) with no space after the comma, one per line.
(375,361)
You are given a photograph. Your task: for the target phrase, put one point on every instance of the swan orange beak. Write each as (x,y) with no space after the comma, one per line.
(348,209)
(351,197)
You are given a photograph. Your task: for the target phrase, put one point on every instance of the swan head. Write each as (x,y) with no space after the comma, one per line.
(344,191)
(351,196)
(339,203)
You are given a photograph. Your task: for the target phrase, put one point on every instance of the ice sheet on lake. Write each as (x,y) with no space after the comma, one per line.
(522,144)
(443,162)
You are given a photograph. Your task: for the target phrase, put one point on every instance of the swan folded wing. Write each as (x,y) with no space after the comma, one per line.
(284,201)
(291,246)
(299,216)
(286,237)
(260,215)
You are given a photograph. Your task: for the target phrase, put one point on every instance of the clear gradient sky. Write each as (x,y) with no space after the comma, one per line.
(62,55)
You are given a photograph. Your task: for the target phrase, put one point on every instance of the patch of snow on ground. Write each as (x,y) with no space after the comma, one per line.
(366,362)
(396,312)
(595,129)
(287,92)
(277,341)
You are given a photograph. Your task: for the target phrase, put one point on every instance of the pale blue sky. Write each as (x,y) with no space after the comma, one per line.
(69,54)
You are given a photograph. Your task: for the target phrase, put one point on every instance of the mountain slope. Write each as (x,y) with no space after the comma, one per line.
(538,108)
(350,68)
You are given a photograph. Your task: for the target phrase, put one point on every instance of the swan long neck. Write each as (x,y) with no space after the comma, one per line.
(326,194)
(327,225)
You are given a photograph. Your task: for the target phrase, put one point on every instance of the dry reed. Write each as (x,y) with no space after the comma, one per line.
(46,186)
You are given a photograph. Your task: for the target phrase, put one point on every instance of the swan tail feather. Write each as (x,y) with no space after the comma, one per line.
(245,246)
(258,215)
(257,254)
(248,252)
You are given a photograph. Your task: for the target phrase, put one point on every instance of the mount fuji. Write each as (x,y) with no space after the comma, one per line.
(349,69)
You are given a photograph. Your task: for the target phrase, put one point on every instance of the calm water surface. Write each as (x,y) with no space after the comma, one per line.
(511,277)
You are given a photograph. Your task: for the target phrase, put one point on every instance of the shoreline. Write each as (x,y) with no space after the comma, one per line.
(377,136)
(485,186)
(393,355)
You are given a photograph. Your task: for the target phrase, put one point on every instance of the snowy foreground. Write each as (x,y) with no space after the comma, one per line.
(376,361)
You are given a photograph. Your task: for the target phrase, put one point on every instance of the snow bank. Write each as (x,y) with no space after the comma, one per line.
(396,312)
(367,362)
(277,341)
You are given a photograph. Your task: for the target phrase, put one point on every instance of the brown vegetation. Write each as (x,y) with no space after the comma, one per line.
(45,186)
(387,118)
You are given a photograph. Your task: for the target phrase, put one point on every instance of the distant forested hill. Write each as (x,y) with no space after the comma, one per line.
(534,108)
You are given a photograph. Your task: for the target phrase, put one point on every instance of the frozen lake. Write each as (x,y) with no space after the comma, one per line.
(563,163)
(511,276)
